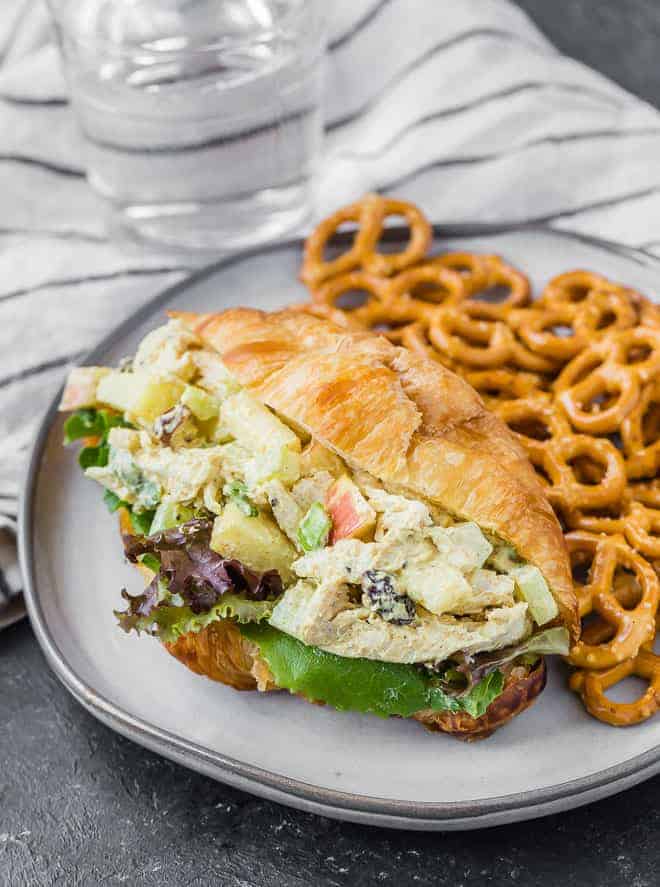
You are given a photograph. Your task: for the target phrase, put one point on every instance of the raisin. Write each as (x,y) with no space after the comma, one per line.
(380,596)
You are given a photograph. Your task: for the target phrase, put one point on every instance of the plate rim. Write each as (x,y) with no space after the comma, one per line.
(247,777)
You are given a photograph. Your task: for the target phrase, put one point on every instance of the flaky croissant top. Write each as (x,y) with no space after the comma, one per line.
(399,416)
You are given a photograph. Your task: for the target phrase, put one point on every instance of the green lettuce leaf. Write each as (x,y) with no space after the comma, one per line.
(169,623)
(92,423)
(364,685)
(482,694)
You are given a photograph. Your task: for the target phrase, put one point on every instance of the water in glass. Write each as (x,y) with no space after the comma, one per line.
(201,118)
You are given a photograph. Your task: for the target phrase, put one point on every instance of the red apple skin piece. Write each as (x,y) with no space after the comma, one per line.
(352,516)
(80,388)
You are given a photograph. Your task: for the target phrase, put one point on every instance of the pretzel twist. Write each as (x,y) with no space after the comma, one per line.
(503,384)
(640,433)
(500,276)
(535,422)
(367,311)
(591,685)
(571,288)
(425,286)
(473,268)
(369,216)
(632,626)
(601,386)
(574,463)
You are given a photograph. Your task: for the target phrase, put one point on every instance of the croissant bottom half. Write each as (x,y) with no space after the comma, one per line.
(220,652)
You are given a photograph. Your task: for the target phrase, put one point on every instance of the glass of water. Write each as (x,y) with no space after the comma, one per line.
(202,118)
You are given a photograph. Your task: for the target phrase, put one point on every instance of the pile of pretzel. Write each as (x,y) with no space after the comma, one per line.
(575,374)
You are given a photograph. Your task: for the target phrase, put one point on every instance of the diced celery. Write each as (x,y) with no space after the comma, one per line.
(237,492)
(315,527)
(534,589)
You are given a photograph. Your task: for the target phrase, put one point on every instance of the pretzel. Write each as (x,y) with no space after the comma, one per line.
(414,336)
(566,462)
(426,285)
(366,313)
(614,367)
(640,433)
(471,341)
(646,493)
(544,329)
(591,685)
(571,288)
(536,327)
(649,313)
(503,384)
(473,268)
(607,310)
(609,520)
(633,625)
(642,529)
(470,336)
(501,275)
(369,215)
(535,422)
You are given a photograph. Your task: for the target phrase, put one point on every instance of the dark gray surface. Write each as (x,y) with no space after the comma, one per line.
(81,806)
(621,38)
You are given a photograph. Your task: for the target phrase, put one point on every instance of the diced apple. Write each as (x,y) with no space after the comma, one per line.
(281,463)
(316,457)
(286,510)
(254,426)
(139,394)
(352,516)
(202,405)
(255,541)
(81,386)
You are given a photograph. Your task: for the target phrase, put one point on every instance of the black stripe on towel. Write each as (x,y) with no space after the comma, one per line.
(472,105)
(92,278)
(361,23)
(58,168)
(475,33)
(533,143)
(26,101)
(40,368)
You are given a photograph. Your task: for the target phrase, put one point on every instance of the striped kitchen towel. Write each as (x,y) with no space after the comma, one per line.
(459,105)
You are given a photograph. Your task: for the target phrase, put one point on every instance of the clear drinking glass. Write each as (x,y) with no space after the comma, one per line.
(202,118)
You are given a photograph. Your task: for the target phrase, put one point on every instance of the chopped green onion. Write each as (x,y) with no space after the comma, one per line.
(237,492)
(314,528)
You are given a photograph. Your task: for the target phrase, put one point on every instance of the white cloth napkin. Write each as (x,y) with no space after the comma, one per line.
(459,105)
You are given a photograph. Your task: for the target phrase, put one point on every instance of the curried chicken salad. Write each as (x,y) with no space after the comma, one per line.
(233,513)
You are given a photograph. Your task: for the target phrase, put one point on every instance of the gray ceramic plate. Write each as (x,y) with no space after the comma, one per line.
(347,766)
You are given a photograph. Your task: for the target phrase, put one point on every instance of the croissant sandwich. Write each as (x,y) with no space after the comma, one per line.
(319,511)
